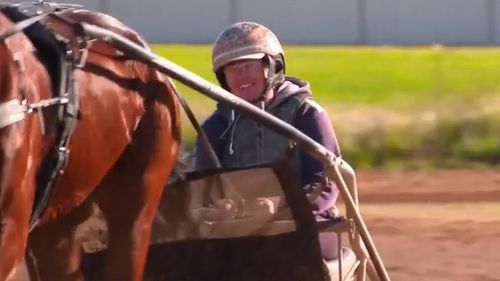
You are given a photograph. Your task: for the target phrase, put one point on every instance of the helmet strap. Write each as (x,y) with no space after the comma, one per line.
(275,77)
(222,80)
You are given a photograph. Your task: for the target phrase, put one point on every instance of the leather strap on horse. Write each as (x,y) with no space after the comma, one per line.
(20,26)
(68,115)
(78,29)
(69,112)
(67,100)
(203,136)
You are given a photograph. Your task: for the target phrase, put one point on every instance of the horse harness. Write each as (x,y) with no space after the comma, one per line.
(70,54)
(69,45)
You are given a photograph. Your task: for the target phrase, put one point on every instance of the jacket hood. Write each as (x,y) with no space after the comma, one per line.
(290,87)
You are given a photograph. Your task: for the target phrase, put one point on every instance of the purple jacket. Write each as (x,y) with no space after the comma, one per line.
(311,119)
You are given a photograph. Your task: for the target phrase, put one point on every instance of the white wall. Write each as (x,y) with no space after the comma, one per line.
(174,20)
(415,21)
(299,21)
(314,21)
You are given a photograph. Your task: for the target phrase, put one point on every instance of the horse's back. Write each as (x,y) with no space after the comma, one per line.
(63,23)
(115,92)
(114,144)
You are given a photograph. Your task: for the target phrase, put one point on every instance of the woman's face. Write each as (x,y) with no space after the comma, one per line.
(246,78)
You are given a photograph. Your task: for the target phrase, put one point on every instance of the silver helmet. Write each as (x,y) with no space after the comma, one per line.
(248,40)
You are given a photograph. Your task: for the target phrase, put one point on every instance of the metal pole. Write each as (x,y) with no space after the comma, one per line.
(194,81)
(209,89)
(334,173)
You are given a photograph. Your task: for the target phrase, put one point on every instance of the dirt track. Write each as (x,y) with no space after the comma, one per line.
(423,238)
(435,243)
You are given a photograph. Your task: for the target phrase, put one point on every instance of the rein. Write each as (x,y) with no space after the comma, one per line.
(20,26)
(15,111)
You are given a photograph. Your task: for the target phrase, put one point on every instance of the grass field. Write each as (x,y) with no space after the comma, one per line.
(374,75)
(388,104)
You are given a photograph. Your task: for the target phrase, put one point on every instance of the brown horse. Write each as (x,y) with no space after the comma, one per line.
(121,152)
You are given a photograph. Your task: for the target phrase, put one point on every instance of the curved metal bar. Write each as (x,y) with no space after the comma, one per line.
(334,172)
(209,89)
(199,84)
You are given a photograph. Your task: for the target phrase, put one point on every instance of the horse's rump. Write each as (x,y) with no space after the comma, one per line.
(119,142)
(103,75)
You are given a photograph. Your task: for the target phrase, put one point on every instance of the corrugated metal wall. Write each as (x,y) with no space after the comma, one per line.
(314,21)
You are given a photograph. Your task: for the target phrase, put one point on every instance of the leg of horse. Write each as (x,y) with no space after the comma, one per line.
(53,252)
(130,194)
(15,203)
(19,155)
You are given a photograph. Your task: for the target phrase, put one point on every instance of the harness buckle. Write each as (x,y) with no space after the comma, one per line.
(84,53)
(63,156)
(82,45)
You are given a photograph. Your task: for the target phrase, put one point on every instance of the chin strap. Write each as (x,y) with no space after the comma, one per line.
(274,79)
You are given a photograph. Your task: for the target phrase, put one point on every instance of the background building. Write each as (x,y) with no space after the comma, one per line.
(463,22)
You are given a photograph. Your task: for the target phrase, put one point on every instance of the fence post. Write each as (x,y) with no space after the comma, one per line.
(103,6)
(491,21)
(233,10)
(362,22)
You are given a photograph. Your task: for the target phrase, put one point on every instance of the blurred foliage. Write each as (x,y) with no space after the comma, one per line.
(449,141)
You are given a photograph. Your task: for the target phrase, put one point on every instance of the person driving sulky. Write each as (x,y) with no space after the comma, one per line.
(248,61)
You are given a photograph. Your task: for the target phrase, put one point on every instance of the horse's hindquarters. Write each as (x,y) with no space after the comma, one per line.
(124,143)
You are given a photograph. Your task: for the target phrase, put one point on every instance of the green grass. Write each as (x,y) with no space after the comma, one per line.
(395,76)
(389,105)
(373,75)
